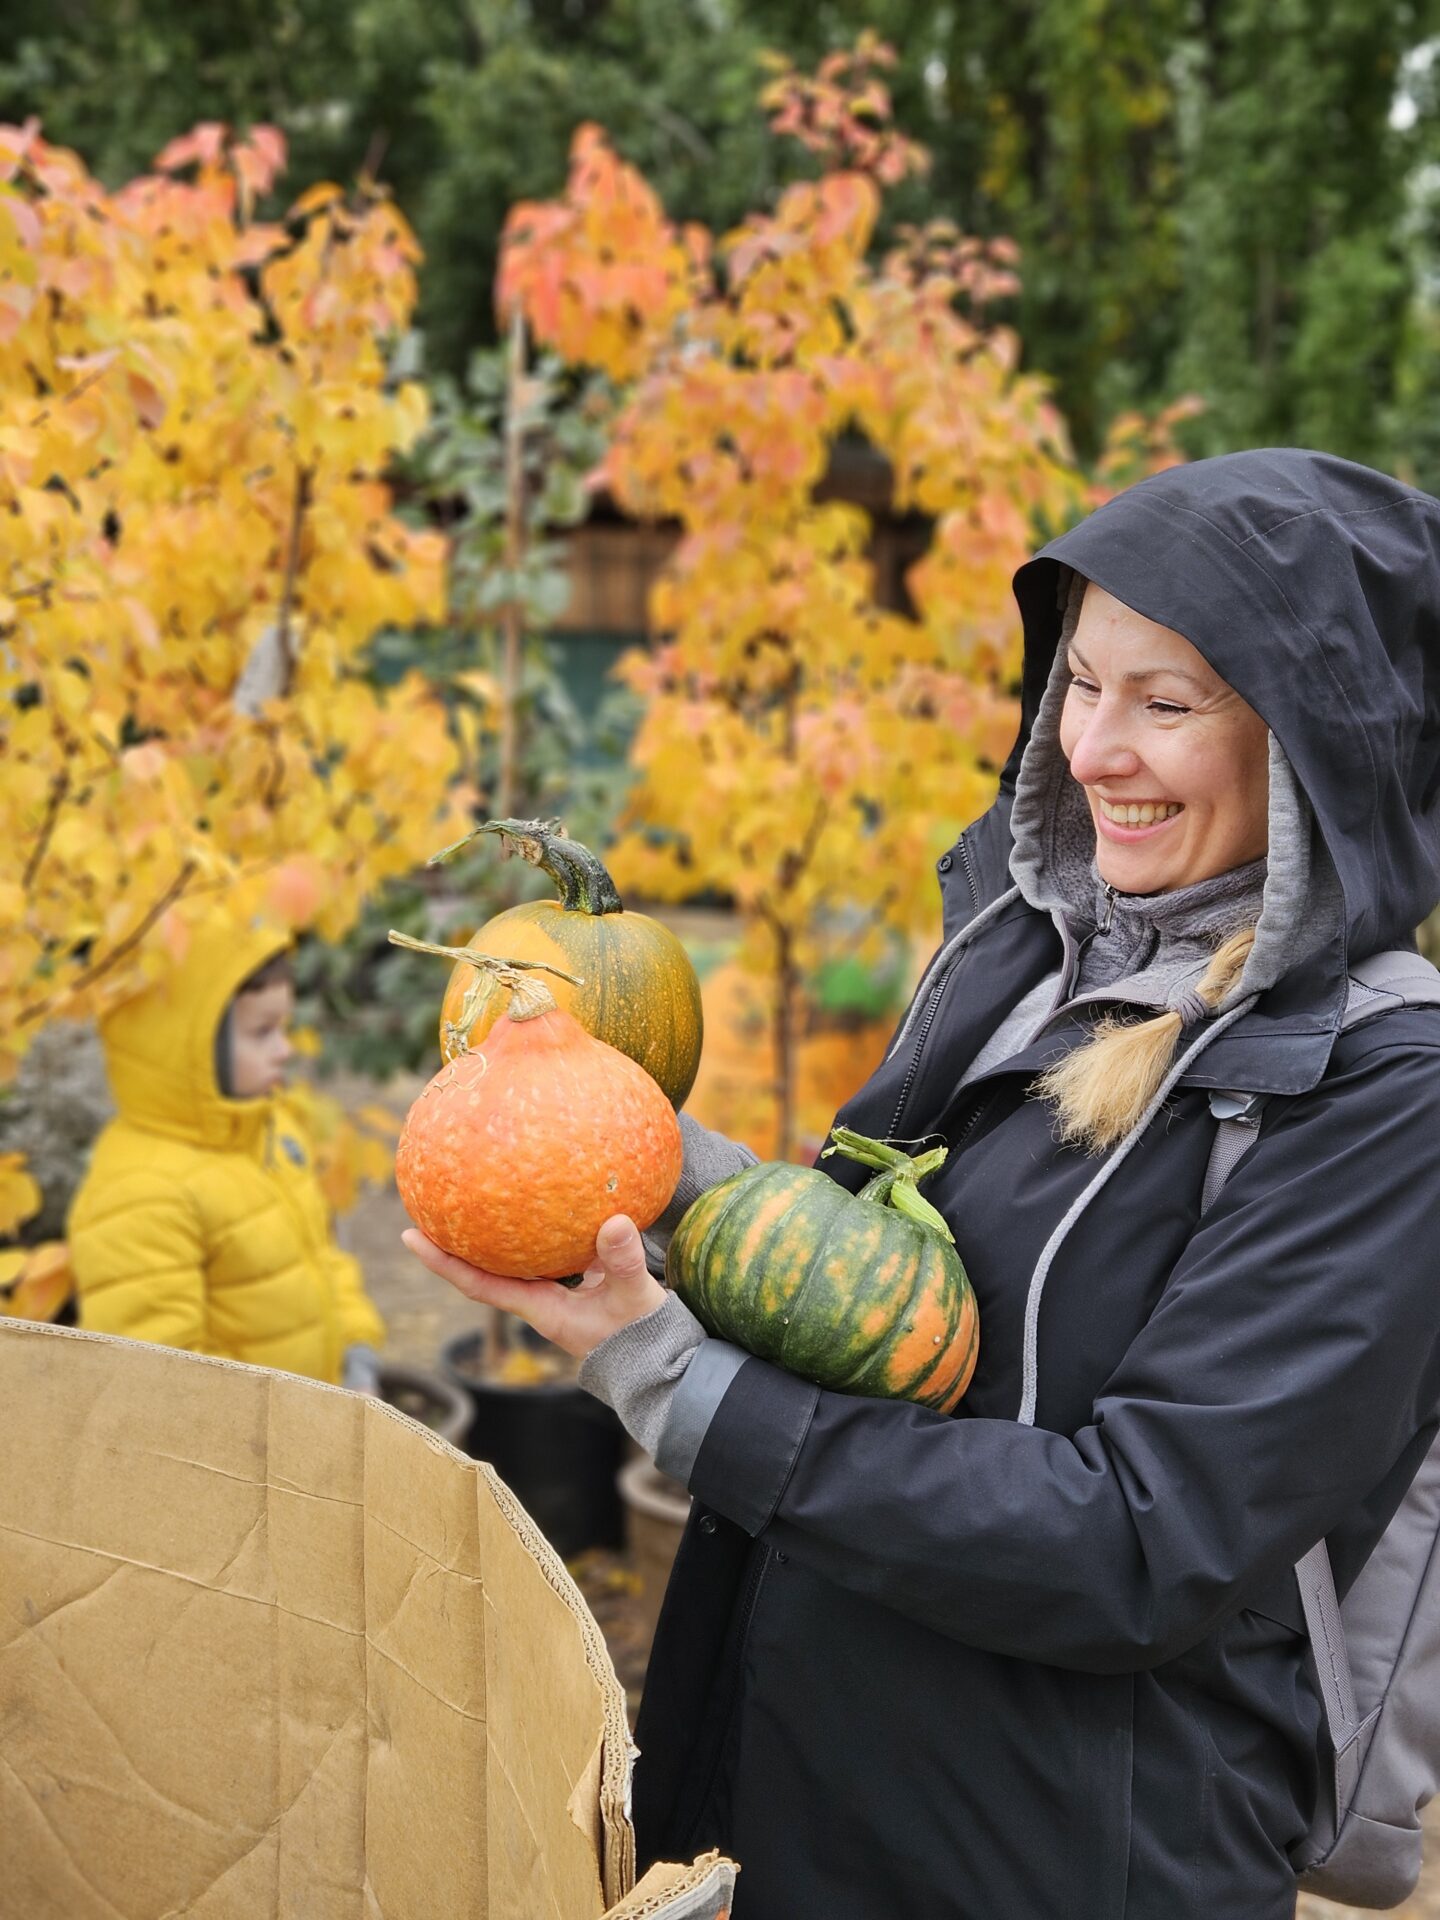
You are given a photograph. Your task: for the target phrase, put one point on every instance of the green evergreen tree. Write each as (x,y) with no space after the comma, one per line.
(1229,197)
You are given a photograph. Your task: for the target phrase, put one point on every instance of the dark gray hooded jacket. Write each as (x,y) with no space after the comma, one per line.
(977,1669)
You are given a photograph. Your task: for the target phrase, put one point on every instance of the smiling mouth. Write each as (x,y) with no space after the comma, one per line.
(1143,814)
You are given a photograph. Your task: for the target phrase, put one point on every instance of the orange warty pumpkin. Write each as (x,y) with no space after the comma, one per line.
(519,1150)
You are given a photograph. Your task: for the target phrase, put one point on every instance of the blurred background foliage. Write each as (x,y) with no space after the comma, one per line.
(1236,198)
(376,1004)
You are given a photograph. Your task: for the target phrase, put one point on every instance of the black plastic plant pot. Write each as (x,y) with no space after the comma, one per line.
(425,1396)
(556,1447)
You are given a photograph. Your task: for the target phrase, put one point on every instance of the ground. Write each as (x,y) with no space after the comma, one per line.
(422,1312)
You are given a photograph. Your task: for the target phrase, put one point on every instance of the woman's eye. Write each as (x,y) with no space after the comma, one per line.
(1167,709)
(1082,685)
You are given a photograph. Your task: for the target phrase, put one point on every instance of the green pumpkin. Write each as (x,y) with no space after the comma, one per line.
(862,1293)
(633,987)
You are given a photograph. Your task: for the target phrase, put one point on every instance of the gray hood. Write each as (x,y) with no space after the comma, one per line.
(1154,948)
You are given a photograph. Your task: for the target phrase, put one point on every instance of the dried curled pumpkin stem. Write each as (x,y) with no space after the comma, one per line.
(527,997)
(584,883)
(516,828)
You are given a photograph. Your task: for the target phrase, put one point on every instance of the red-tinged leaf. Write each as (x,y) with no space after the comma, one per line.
(148,401)
(203,145)
(175,934)
(15,308)
(269,143)
(257,243)
(23,217)
(15,145)
(293,891)
(145,764)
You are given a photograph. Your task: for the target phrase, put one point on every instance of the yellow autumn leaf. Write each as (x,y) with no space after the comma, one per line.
(20,1196)
(44,1283)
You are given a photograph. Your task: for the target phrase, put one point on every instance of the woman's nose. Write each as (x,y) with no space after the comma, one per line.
(1101,750)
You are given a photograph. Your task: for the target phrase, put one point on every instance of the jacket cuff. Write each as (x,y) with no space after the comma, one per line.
(693,1404)
(751,1444)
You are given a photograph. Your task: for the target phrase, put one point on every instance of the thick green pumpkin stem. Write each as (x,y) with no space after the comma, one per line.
(585,886)
(895,1184)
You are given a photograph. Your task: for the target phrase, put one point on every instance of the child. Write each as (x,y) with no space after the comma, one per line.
(200,1222)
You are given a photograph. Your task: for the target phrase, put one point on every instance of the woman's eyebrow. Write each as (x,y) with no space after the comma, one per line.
(1144,673)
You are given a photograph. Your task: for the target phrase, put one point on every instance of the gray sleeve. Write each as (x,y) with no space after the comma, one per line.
(661,1374)
(709,1159)
(636,1370)
(665,1379)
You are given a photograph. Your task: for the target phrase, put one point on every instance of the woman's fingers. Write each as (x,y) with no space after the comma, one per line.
(491,1289)
(620,1253)
(616,1289)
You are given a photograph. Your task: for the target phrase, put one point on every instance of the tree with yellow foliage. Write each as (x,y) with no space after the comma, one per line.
(195,422)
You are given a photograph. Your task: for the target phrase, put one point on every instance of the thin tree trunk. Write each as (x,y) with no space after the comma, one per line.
(512,617)
(785,1037)
(787,981)
(497,1327)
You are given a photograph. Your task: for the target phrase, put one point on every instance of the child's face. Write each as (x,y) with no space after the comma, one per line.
(260,1040)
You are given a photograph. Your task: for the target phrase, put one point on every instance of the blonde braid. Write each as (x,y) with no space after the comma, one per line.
(1100,1090)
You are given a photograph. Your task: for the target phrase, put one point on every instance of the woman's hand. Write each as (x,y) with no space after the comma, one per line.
(619,1288)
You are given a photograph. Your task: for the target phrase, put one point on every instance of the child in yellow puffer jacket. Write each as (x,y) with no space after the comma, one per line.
(200,1222)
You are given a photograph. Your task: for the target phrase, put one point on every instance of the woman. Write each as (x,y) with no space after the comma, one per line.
(1048,1657)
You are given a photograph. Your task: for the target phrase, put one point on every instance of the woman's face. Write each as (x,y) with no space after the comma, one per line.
(1174,764)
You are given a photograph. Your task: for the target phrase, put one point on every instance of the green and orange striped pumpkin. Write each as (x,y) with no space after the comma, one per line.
(862,1293)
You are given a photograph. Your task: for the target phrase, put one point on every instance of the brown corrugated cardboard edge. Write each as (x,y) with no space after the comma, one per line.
(701,1891)
(610,1767)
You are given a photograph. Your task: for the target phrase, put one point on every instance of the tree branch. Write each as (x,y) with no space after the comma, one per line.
(59,787)
(292,556)
(126,947)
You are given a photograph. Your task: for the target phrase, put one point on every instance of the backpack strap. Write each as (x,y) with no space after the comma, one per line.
(1378,985)
(1387,980)
(1398,978)
(1326,1633)
(1239,1129)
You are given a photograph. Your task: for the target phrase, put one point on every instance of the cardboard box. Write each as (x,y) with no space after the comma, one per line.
(272,1651)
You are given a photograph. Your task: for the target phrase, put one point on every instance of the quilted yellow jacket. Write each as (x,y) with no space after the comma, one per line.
(200,1222)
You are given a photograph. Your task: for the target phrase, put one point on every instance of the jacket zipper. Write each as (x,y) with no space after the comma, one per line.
(747,1611)
(927,1020)
(932,1004)
(964,851)
(972,1121)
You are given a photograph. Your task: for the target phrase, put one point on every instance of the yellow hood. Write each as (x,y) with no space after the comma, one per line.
(160,1046)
